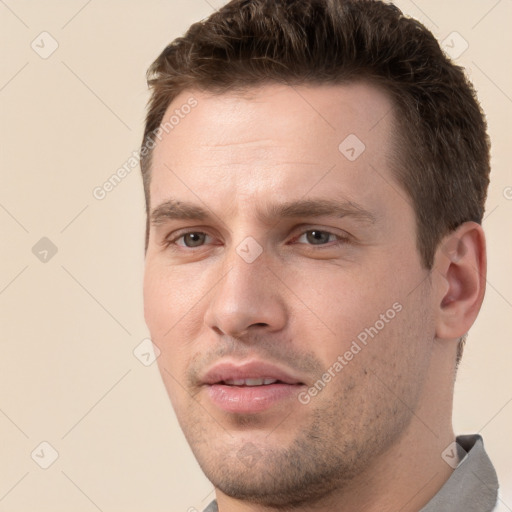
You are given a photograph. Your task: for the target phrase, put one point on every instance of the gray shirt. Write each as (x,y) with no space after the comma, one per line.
(472,487)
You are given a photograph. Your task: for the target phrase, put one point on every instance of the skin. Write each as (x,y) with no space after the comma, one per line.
(372,439)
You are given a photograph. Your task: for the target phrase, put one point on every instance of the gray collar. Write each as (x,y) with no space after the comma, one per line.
(473,486)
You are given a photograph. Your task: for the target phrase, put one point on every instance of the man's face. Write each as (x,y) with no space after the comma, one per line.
(275,283)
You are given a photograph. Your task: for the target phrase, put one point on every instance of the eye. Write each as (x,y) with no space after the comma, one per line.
(318,237)
(190,239)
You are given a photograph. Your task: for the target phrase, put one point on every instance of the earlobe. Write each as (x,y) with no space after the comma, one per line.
(460,276)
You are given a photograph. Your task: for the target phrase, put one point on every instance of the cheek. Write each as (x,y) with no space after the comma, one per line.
(157,302)
(164,318)
(342,303)
(173,313)
(168,298)
(367,306)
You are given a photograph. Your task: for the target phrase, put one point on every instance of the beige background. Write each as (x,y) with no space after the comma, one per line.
(68,375)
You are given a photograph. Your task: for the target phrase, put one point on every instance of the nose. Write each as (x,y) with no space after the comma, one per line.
(248,298)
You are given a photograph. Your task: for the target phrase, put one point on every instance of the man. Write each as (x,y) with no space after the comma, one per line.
(315,175)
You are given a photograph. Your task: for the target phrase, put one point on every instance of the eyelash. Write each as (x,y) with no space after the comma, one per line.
(341,240)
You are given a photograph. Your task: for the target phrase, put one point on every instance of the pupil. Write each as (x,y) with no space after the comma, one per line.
(193,239)
(317,236)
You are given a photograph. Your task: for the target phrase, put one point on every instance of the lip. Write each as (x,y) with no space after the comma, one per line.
(225,371)
(249,399)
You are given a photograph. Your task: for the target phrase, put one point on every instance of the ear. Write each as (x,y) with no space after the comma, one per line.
(460,275)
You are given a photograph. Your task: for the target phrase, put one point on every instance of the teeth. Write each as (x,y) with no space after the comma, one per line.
(250,382)
(236,382)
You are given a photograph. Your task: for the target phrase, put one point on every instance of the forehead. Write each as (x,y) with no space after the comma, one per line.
(273,139)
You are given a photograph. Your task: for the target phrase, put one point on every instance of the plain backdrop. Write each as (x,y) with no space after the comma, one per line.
(72,265)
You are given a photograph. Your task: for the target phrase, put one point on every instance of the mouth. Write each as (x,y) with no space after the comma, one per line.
(267,381)
(250,387)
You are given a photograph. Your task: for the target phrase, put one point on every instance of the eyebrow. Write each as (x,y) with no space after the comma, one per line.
(173,209)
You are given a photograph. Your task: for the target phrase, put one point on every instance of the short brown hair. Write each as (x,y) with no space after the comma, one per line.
(442,147)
